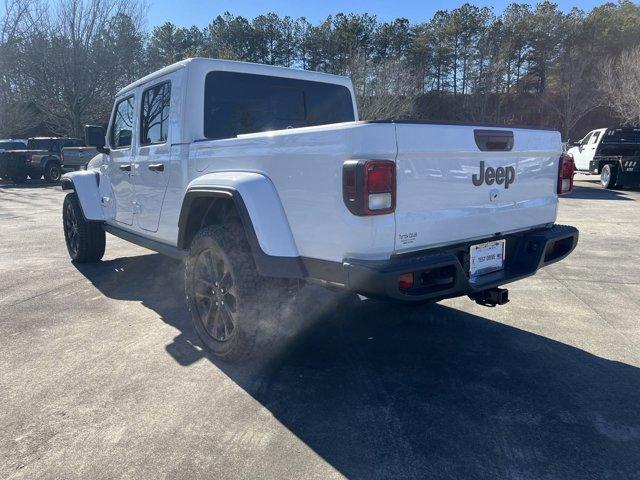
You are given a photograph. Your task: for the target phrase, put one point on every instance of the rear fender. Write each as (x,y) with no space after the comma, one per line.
(261,213)
(85,183)
(44,161)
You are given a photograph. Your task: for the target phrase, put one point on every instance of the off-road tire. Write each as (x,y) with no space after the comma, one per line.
(609,177)
(220,255)
(85,239)
(53,172)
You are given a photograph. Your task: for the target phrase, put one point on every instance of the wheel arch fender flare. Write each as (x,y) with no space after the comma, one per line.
(49,159)
(261,213)
(85,183)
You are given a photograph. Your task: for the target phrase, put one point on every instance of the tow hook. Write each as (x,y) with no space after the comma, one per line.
(491,297)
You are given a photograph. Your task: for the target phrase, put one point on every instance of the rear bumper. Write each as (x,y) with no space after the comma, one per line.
(443,273)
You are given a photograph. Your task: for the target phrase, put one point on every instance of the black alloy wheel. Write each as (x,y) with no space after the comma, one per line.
(215,296)
(71,229)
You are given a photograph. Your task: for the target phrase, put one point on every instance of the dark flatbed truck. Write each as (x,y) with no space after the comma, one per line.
(617,171)
(617,158)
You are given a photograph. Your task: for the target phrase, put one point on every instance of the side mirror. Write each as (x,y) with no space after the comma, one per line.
(94,136)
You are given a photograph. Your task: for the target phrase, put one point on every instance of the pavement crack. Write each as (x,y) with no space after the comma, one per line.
(40,294)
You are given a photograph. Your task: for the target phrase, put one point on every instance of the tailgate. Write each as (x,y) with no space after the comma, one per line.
(458,183)
(11,160)
(72,156)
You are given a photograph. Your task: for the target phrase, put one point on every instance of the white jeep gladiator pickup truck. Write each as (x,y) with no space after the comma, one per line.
(256,174)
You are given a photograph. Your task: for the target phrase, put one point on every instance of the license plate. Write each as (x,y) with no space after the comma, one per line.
(486,257)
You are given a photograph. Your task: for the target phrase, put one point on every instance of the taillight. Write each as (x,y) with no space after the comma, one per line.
(369,186)
(405,281)
(565,174)
(28,158)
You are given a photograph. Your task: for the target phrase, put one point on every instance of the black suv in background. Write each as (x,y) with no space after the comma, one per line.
(42,156)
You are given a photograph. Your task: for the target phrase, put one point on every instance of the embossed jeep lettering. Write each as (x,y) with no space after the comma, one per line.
(500,175)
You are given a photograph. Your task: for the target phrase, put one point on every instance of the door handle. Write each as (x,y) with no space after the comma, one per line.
(156,167)
(125,168)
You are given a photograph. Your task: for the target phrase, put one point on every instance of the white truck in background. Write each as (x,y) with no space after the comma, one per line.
(612,153)
(258,176)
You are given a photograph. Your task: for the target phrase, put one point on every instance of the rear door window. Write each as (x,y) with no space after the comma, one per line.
(122,124)
(154,121)
(66,142)
(239,103)
(39,144)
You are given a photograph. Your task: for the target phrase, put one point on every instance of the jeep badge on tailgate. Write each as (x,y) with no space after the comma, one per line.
(500,175)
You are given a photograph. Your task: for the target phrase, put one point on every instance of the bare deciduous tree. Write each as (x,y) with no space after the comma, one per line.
(621,83)
(65,63)
(390,94)
(15,114)
(77,72)
(574,95)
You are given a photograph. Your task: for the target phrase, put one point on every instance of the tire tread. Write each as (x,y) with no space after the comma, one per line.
(92,238)
(262,298)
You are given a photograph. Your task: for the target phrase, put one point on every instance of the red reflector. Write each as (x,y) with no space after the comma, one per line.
(566,170)
(380,177)
(405,281)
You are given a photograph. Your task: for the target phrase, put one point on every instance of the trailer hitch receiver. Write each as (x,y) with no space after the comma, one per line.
(491,297)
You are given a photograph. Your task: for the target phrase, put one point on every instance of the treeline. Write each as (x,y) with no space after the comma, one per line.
(60,67)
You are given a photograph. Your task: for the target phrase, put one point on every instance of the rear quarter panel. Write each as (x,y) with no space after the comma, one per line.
(305,166)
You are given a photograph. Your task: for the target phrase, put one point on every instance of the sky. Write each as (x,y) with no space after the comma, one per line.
(201,12)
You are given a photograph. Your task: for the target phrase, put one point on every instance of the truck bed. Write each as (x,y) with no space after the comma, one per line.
(77,157)
(437,201)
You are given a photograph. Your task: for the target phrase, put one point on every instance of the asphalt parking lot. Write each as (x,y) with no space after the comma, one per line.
(102,376)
